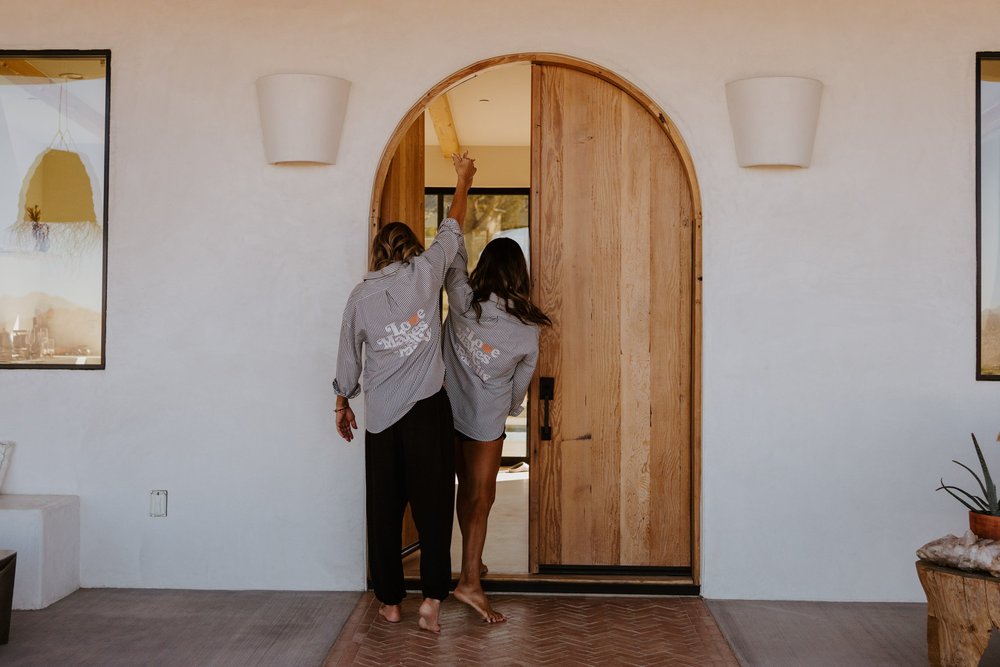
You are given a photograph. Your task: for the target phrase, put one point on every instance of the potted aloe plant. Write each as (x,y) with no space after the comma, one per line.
(984,511)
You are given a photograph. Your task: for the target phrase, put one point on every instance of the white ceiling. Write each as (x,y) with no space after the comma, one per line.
(505,120)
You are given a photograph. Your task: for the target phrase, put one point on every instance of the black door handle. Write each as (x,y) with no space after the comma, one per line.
(546,392)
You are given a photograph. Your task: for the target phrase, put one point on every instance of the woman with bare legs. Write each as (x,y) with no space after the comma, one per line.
(490,351)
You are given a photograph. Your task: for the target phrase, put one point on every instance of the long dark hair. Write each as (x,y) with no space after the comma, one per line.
(502,271)
(394,243)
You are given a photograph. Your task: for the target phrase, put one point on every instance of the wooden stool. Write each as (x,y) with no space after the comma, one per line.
(962,609)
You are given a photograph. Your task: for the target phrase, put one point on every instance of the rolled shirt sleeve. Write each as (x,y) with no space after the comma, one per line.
(347,383)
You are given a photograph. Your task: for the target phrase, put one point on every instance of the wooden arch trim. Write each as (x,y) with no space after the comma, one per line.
(674,135)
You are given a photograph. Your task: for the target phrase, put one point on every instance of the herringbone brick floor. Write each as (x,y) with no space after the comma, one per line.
(540,630)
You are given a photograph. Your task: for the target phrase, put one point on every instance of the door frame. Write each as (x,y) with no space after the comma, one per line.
(674,135)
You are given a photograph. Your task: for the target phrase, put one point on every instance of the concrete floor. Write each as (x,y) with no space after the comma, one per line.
(110,627)
(829,634)
(821,634)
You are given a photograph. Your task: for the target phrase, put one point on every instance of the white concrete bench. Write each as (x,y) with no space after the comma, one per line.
(45,533)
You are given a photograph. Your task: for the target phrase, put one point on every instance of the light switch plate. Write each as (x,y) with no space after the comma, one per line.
(158,503)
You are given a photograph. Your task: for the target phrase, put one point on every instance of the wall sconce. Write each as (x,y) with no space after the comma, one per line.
(302,116)
(774,119)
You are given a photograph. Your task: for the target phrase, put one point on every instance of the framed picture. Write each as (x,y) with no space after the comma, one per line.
(54,129)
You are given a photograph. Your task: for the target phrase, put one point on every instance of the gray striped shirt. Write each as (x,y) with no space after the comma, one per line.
(489,361)
(395,314)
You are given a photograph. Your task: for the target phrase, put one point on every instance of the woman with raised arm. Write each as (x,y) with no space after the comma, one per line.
(393,321)
(490,351)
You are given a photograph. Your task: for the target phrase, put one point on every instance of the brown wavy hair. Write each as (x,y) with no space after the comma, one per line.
(394,243)
(502,271)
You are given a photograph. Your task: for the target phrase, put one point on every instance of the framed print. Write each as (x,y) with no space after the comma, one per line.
(54,130)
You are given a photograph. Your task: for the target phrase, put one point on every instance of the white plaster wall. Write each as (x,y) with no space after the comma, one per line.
(838,300)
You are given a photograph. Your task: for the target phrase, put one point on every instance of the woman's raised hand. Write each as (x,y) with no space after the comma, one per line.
(465,166)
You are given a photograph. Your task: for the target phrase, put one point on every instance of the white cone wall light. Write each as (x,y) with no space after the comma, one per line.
(302,116)
(774,119)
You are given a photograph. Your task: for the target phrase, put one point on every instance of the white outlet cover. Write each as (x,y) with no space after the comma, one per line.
(158,503)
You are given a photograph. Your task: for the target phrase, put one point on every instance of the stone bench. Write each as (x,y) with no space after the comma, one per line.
(45,533)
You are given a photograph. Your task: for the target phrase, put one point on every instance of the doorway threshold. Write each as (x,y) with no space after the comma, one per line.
(575,584)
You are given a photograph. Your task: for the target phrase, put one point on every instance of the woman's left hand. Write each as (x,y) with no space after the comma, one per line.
(346,422)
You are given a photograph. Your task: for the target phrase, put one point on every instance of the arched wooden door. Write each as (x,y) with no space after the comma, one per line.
(615,238)
(612,261)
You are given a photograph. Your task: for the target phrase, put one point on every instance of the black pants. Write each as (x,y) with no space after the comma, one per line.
(412,460)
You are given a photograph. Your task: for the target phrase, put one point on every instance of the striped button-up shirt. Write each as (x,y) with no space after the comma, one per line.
(395,316)
(489,360)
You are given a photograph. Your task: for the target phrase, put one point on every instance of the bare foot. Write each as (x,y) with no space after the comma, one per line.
(390,612)
(475,598)
(429,611)
(483,570)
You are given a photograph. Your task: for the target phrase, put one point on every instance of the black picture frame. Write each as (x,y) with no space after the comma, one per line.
(77,54)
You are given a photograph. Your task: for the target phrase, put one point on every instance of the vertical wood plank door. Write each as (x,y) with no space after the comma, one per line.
(403,192)
(612,249)
(403,201)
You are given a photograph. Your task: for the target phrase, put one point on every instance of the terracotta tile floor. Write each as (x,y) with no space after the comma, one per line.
(541,630)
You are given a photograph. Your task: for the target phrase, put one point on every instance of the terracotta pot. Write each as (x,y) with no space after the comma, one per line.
(985,526)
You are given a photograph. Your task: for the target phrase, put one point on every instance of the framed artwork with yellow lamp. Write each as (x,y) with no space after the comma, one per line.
(54,131)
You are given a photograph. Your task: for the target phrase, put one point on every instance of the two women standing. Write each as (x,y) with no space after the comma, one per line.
(392,321)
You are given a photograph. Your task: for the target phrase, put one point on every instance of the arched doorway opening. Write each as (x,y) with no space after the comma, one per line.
(615,230)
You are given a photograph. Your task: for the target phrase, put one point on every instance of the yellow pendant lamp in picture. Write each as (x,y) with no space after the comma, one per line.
(57,198)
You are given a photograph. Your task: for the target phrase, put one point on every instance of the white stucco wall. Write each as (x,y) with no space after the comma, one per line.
(839,304)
